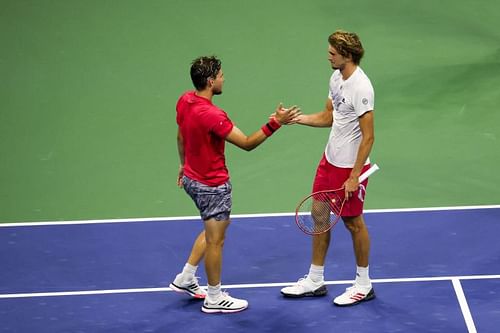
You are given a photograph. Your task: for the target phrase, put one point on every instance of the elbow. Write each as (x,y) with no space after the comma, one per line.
(368,140)
(246,146)
(250,145)
(371,140)
(249,148)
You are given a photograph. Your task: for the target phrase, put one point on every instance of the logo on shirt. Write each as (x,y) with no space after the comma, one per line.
(364,101)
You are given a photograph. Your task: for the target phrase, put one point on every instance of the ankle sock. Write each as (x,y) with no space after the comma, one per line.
(213,293)
(188,272)
(362,277)
(316,273)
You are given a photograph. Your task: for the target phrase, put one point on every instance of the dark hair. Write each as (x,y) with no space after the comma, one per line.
(202,69)
(347,44)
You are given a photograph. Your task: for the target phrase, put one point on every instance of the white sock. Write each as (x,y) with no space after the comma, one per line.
(213,293)
(316,273)
(362,277)
(188,272)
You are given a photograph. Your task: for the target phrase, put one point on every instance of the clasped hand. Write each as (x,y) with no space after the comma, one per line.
(286,116)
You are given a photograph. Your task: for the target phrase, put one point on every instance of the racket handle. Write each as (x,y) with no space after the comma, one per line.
(368,172)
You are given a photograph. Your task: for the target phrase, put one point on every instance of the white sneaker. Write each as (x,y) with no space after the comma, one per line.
(225,304)
(190,287)
(354,295)
(305,287)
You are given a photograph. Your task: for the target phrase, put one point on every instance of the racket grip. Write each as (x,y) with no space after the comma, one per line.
(368,172)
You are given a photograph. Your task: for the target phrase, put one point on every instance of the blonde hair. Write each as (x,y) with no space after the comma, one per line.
(347,44)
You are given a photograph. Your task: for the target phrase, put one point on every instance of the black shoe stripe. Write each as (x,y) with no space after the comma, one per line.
(225,304)
(189,291)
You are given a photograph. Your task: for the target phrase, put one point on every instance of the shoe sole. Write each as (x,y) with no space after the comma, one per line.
(370,296)
(321,291)
(219,310)
(186,291)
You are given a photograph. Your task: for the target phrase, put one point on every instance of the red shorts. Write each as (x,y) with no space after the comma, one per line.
(330,177)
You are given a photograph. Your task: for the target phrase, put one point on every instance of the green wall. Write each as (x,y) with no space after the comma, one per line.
(88,92)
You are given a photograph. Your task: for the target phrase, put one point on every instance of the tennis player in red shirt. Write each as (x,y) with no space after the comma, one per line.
(203,130)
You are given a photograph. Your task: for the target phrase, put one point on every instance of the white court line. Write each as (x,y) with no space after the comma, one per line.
(242,286)
(197,218)
(464,306)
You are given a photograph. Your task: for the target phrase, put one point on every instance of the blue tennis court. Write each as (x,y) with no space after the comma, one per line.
(434,270)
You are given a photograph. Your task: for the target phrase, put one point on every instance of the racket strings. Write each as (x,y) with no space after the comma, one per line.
(320,211)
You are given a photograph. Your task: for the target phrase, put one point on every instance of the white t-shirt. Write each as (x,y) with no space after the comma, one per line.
(351,99)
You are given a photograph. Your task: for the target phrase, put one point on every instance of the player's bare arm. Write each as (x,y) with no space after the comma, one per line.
(280,117)
(368,138)
(180,148)
(319,119)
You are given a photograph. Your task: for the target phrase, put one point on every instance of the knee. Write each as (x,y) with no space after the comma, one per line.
(354,225)
(351,227)
(320,216)
(215,241)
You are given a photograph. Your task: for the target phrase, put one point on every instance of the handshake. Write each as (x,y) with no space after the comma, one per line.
(287,116)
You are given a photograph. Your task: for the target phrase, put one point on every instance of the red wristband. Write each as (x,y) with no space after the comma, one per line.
(271,127)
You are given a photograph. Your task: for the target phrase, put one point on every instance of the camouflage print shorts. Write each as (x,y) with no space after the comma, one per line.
(212,202)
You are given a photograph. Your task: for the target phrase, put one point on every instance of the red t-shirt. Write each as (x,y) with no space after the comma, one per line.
(204,128)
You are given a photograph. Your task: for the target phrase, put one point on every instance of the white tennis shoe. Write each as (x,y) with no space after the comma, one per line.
(225,304)
(354,295)
(305,287)
(190,287)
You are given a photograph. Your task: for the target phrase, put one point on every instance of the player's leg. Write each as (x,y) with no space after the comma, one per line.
(360,239)
(186,281)
(313,284)
(362,289)
(216,300)
(320,242)
(320,245)
(216,211)
(215,232)
(198,250)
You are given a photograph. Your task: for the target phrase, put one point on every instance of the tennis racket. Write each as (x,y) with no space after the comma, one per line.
(320,211)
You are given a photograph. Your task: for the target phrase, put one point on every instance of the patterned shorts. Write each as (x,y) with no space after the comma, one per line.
(212,202)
